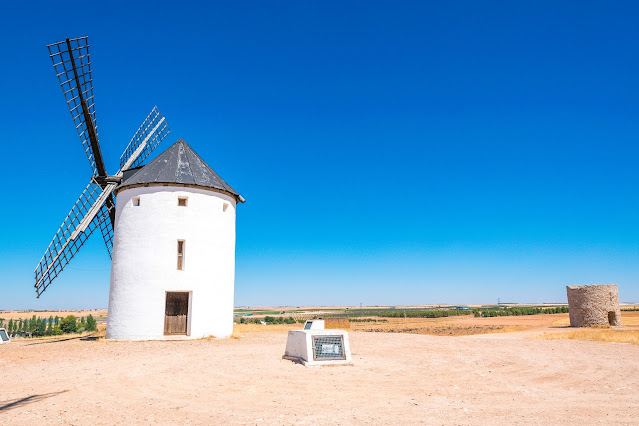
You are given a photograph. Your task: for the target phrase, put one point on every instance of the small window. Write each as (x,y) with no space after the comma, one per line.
(225,206)
(136,201)
(182,201)
(180,255)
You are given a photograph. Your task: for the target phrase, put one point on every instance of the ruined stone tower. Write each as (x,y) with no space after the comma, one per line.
(593,305)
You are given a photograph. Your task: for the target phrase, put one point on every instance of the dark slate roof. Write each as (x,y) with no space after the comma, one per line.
(179,164)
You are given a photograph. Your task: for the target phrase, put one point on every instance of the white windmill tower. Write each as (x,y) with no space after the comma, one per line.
(96,207)
(173,267)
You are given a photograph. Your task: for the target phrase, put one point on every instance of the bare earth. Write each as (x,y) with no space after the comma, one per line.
(501,378)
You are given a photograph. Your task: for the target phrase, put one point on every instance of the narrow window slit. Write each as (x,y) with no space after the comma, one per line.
(136,201)
(180,255)
(182,201)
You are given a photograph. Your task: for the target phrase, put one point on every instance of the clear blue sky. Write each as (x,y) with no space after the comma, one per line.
(390,152)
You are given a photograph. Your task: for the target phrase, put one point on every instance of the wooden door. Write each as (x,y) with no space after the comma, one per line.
(176,313)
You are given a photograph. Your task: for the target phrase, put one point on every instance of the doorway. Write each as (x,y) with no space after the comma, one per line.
(612,318)
(176,313)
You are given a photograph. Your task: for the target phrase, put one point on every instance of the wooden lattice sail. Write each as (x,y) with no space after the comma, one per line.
(95,208)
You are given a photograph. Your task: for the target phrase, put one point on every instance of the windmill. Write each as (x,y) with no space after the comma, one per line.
(95,208)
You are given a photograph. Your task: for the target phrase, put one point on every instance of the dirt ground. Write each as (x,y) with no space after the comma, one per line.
(500,378)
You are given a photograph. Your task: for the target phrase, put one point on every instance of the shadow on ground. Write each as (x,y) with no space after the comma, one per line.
(17,403)
(83,338)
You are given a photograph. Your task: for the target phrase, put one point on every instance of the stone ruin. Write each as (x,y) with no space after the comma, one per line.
(593,305)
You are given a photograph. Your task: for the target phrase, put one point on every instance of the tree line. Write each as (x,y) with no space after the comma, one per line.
(53,326)
(520,310)
(268,320)
(423,314)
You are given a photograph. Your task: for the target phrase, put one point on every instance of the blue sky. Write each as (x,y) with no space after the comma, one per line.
(389,152)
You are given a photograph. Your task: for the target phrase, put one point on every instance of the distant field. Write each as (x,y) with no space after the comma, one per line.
(447,326)
(99,314)
(461,325)
(368,319)
(439,320)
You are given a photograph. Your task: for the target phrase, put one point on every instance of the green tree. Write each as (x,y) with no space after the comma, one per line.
(21,326)
(92,324)
(33,324)
(81,325)
(42,328)
(49,331)
(68,324)
(57,320)
(11,326)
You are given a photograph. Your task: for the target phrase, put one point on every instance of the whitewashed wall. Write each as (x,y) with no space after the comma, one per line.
(144,263)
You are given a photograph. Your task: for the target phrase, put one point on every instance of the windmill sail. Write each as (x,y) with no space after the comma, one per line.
(152,131)
(148,136)
(106,228)
(96,206)
(73,67)
(87,213)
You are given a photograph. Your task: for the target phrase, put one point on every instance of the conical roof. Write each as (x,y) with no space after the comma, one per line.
(179,165)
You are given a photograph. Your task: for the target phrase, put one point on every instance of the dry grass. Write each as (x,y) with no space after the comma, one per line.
(628,319)
(460,326)
(597,334)
(445,329)
(337,323)
(446,326)
(562,322)
(415,326)
(253,328)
